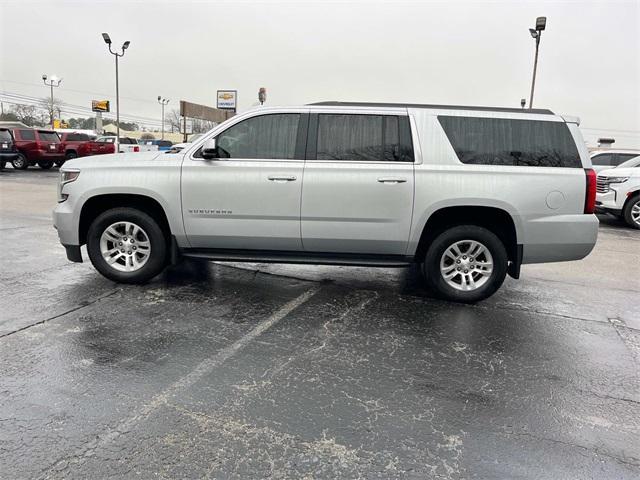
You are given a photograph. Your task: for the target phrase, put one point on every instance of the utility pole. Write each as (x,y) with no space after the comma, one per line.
(163,102)
(536,33)
(125,45)
(53,82)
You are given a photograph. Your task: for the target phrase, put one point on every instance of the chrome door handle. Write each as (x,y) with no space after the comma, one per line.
(283,178)
(391,180)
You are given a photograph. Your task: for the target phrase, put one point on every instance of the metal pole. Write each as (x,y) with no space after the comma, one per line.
(162,120)
(535,67)
(117,109)
(52,125)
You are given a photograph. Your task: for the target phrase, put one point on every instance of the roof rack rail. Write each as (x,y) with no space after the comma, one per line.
(441,107)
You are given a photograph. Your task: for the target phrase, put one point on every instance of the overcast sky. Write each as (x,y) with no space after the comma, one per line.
(450,52)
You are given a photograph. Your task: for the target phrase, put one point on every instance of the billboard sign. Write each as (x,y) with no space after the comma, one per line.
(100,105)
(186,127)
(227,99)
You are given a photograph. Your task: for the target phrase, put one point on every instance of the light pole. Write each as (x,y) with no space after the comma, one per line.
(125,45)
(536,33)
(53,82)
(163,102)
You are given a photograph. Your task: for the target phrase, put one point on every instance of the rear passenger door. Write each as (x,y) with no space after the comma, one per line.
(357,194)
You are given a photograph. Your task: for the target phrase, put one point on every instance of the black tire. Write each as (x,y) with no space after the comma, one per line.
(45,165)
(435,252)
(2,165)
(157,258)
(633,202)
(20,162)
(70,155)
(59,163)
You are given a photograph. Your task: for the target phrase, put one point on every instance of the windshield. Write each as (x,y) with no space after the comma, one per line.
(193,138)
(631,163)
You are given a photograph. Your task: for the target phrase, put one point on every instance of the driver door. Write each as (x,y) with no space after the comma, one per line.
(249,197)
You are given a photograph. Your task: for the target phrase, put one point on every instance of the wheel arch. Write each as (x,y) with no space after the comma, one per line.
(99,203)
(494,218)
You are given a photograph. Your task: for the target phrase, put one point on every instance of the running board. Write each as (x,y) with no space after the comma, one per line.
(310,258)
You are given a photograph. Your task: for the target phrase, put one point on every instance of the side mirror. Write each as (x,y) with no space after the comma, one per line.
(209,149)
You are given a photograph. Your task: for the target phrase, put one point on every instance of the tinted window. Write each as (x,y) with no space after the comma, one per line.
(375,138)
(5,136)
(164,143)
(128,141)
(266,136)
(77,137)
(623,157)
(498,141)
(27,134)
(602,159)
(48,136)
(632,163)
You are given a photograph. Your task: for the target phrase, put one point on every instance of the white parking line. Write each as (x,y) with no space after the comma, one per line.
(203,368)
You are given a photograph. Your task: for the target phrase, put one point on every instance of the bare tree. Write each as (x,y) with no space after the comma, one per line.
(173,119)
(50,108)
(30,115)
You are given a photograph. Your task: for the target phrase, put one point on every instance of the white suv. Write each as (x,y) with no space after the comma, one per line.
(619,192)
(606,158)
(469,193)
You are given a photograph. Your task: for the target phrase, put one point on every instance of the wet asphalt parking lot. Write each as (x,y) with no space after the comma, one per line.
(270,371)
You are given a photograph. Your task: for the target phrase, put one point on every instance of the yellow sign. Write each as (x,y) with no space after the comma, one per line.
(60,124)
(100,105)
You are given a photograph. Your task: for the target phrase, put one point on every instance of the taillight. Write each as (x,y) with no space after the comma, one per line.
(590,193)
(136,149)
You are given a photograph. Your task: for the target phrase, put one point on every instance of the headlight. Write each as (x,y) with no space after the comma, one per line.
(615,179)
(66,176)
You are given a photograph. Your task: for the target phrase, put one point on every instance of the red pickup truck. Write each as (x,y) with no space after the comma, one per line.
(37,146)
(76,144)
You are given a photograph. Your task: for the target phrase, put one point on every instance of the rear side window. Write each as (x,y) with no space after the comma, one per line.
(604,159)
(373,138)
(27,134)
(48,136)
(263,137)
(5,136)
(499,141)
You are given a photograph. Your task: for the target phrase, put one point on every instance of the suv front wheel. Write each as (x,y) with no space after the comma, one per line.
(465,264)
(127,245)
(631,212)
(20,162)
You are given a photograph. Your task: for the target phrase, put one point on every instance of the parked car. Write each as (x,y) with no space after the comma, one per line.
(180,146)
(8,150)
(618,192)
(605,159)
(163,145)
(37,146)
(458,190)
(76,144)
(127,144)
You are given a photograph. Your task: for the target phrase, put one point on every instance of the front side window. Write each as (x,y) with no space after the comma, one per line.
(27,134)
(604,159)
(623,157)
(264,137)
(501,141)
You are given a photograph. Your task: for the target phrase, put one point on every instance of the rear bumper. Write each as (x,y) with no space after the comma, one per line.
(45,156)
(559,238)
(8,157)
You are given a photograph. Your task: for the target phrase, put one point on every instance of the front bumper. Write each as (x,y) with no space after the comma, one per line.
(8,157)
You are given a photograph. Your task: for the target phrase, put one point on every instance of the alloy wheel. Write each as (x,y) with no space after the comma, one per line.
(125,246)
(466,265)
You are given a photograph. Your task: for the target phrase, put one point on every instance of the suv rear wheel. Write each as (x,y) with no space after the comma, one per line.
(126,245)
(465,264)
(20,162)
(631,212)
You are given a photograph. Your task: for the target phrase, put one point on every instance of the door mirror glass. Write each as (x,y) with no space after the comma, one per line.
(209,149)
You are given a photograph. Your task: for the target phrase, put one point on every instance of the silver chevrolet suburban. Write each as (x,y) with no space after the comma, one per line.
(469,193)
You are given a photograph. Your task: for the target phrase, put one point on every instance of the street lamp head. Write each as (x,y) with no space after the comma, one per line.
(523,102)
(106,38)
(533,33)
(125,45)
(541,23)
(44,77)
(159,97)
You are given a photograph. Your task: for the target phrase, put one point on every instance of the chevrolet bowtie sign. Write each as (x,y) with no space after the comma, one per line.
(100,105)
(227,99)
